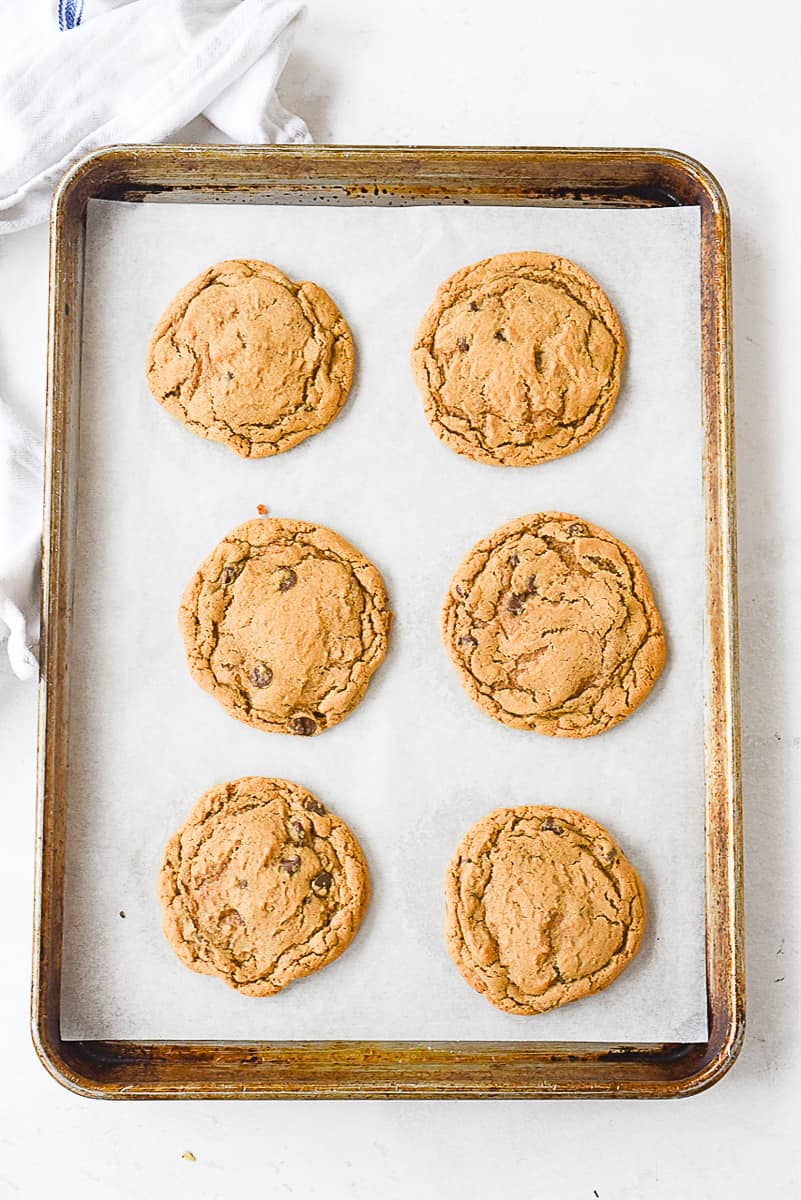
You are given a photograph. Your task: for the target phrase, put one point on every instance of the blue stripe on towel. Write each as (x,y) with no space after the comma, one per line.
(70,13)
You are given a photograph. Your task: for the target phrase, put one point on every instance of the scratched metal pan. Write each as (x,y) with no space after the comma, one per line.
(383,1069)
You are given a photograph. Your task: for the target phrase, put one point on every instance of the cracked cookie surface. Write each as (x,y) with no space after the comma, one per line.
(261,885)
(244,356)
(541,908)
(552,626)
(518,359)
(284,623)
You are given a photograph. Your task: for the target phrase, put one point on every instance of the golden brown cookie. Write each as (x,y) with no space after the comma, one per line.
(518,359)
(245,356)
(284,623)
(541,908)
(552,626)
(261,885)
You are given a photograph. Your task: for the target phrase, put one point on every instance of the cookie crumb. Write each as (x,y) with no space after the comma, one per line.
(262,510)
(188,1156)
(122,914)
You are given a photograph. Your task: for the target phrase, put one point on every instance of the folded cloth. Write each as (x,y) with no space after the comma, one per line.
(80,74)
(135,72)
(20,525)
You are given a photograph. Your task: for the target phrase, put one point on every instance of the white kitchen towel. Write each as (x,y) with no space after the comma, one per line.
(135,72)
(20,525)
(79,74)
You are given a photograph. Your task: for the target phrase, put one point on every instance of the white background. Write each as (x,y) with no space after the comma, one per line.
(715,80)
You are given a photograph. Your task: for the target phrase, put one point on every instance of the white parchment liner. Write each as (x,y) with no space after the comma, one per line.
(417,762)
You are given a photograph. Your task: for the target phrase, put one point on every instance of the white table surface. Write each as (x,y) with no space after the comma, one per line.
(718,81)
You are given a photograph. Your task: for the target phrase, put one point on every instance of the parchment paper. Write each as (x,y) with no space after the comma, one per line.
(417,763)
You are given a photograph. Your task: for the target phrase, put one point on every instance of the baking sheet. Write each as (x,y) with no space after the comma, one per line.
(417,762)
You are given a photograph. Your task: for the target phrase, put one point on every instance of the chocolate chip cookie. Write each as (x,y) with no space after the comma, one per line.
(261,885)
(518,359)
(552,626)
(284,623)
(541,908)
(245,356)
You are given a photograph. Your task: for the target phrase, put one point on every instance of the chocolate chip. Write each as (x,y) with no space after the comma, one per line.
(515,604)
(531,590)
(552,827)
(468,640)
(463,345)
(304,726)
(459,590)
(230,374)
(228,575)
(260,675)
(537,360)
(473,306)
(610,855)
(231,915)
(297,832)
(605,564)
(321,884)
(577,530)
(500,336)
(291,865)
(513,560)
(242,883)
(122,914)
(312,805)
(288,579)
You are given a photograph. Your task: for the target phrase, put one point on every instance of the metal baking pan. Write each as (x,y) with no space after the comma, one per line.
(381,1069)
